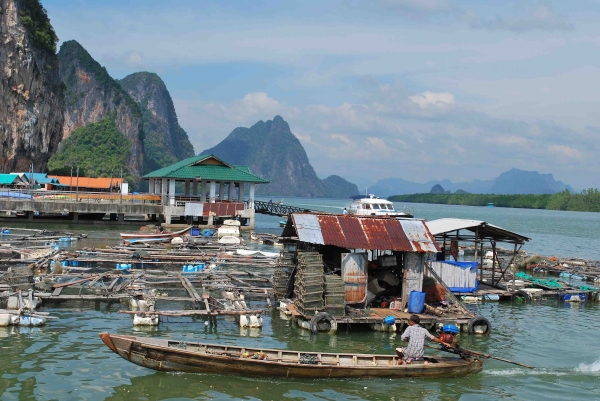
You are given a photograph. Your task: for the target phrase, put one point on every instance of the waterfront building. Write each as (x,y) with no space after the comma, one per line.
(210,190)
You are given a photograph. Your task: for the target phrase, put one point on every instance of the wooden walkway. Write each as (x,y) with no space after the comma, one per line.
(376,315)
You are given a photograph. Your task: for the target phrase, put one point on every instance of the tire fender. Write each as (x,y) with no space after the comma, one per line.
(479,321)
(319,317)
(526,296)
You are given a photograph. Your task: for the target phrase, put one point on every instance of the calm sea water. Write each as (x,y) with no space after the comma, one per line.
(66,360)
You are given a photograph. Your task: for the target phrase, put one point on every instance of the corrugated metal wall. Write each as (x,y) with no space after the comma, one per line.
(354,274)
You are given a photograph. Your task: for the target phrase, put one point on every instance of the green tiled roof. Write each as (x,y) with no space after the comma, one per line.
(8,179)
(191,168)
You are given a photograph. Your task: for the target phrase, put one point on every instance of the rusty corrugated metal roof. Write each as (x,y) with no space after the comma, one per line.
(364,232)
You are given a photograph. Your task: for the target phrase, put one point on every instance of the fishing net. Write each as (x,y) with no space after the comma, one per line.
(309,359)
(550,283)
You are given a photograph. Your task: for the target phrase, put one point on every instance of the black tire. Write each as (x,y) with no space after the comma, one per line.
(523,294)
(479,321)
(323,316)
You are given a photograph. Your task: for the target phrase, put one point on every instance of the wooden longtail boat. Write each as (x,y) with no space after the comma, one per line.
(192,357)
(129,238)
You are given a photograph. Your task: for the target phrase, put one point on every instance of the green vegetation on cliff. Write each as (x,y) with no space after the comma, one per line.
(586,201)
(35,19)
(98,149)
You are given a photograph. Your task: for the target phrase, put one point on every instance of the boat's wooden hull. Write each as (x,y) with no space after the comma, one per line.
(171,356)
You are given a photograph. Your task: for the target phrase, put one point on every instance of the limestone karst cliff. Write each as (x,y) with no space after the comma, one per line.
(165,142)
(31,93)
(92,95)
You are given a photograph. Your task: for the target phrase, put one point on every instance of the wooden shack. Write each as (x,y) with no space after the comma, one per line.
(380,262)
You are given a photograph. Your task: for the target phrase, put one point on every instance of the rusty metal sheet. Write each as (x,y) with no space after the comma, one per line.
(308,228)
(354,235)
(332,231)
(398,235)
(354,274)
(357,232)
(419,236)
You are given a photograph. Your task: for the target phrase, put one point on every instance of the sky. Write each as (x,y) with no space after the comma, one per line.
(414,89)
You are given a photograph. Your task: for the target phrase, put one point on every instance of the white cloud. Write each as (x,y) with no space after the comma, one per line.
(565,152)
(343,138)
(135,59)
(432,99)
(541,18)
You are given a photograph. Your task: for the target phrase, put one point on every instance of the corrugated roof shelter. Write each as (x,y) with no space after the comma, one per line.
(89,182)
(477,231)
(362,232)
(40,179)
(208,168)
(11,179)
(452,227)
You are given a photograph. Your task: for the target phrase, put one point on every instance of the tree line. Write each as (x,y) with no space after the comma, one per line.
(586,201)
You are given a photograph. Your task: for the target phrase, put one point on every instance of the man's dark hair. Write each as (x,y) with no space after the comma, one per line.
(416,319)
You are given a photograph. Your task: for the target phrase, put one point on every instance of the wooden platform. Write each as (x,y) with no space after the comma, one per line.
(376,315)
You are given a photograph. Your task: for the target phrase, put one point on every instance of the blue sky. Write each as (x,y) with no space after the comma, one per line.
(416,89)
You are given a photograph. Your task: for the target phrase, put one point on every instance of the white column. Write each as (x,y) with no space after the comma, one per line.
(151,185)
(241,193)
(163,191)
(231,191)
(221,191)
(187,188)
(213,190)
(156,186)
(172,192)
(203,191)
(251,196)
(195,188)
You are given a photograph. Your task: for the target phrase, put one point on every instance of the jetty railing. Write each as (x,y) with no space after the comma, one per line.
(276,209)
(77,196)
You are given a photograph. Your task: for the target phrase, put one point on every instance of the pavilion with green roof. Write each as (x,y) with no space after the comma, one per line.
(206,179)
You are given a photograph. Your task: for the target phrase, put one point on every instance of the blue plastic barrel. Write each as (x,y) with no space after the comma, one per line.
(389,319)
(449,328)
(207,232)
(195,232)
(65,239)
(416,302)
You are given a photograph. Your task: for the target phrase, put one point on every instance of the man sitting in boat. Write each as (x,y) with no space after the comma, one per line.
(415,334)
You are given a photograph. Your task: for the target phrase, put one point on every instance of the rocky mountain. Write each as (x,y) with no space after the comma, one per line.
(398,186)
(273,152)
(517,181)
(92,95)
(31,94)
(437,189)
(514,181)
(165,142)
(337,187)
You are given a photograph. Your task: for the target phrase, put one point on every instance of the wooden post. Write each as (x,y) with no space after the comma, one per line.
(493,261)
(514,269)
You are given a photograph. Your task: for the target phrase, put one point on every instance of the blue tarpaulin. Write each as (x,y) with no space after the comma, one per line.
(6,194)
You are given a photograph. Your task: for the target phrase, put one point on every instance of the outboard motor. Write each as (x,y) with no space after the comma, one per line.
(448,335)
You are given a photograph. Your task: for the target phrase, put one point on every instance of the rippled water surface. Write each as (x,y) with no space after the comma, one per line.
(65,360)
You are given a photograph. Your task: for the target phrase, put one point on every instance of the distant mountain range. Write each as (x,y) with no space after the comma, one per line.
(514,181)
(274,153)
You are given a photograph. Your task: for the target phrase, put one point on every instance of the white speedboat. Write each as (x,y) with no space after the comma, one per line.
(370,205)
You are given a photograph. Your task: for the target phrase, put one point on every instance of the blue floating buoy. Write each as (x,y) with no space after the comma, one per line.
(65,239)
